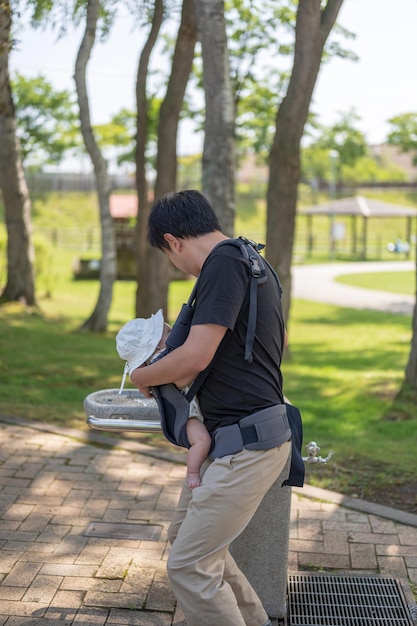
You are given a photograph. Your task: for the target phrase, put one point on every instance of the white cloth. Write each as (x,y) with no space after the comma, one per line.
(137,340)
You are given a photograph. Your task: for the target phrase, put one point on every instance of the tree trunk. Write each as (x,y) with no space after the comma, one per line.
(99,318)
(154,271)
(219,137)
(142,247)
(20,283)
(313,26)
(411,369)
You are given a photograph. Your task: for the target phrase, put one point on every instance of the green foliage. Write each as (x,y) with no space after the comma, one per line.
(343,137)
(339,153)
(368,169)
(404,133)
(119,134)
(60,14)
(47,121)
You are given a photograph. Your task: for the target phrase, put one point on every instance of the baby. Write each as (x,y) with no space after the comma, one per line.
(139,342)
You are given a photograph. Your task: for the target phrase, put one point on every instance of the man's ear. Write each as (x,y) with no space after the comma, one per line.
(173,242)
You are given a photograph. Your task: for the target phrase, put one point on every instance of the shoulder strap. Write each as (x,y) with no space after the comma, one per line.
(250,251)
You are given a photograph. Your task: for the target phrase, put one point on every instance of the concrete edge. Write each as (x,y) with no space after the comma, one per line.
(179,456)
(356,504)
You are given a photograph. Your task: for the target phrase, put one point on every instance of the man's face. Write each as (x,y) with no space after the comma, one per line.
(177,255)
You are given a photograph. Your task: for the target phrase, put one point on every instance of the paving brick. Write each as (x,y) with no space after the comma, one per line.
(77,497)
(78,583)
(396,550)
(60,615)
(11,593)
(67,599)
(412,574)
(95,508)
(92,555)
(35,523)
(122,617)
(336,542)
(116,564)
(322,561)
(359,537)
(384,526)
(91,616)
(160,596)
(32,546)
(18,511)
(310,530)
(16,607)
(121,600)
(9,525)
(348,526)
(22,574)
(29,470)
(407,535)
(363,556)
(42,589)
(306,546)
(64,569)
(8,559)
(392,566)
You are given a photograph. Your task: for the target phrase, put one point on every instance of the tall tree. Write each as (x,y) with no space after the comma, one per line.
(154,272)
(219,127)
(20,283)
(99,318)
(411,368)
(404,135)
(142,186)
(313,26)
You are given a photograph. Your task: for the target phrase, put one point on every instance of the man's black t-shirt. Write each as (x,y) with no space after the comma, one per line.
(235,388)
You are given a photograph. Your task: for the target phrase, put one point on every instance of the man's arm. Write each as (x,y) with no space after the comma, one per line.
(182,365)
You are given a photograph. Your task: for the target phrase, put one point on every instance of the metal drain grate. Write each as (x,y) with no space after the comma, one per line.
(331,600)
(106,530)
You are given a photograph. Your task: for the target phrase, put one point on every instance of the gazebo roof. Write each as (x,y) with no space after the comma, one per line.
(358,205)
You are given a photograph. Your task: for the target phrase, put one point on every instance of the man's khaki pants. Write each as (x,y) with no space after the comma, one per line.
(210,588)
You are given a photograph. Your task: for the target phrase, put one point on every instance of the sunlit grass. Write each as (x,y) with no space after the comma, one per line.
(395,282)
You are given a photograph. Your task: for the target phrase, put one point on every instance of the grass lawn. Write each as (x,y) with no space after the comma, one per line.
(396,282)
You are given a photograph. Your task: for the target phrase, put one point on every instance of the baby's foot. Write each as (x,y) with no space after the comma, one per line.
(193,480)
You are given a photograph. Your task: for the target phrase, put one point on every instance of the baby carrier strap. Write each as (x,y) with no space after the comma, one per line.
(250,251)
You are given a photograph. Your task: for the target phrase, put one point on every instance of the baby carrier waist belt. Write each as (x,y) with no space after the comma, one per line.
(265,429)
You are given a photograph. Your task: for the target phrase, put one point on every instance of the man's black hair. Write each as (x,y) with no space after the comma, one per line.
(184,214)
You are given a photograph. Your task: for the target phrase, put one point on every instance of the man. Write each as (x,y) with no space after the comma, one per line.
(209,586)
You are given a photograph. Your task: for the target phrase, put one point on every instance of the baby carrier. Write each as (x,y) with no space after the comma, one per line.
(267,428)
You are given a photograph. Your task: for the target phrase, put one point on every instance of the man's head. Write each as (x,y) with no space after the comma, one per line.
(183,214)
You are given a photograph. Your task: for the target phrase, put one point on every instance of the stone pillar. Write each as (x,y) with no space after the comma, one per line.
(261,551)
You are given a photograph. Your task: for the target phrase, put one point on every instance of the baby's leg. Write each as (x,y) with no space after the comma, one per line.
(200,442)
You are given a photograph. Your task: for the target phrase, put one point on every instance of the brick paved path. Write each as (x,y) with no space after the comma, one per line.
(54,485)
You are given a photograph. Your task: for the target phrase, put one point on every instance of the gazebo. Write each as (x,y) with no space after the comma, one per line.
(357,208)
